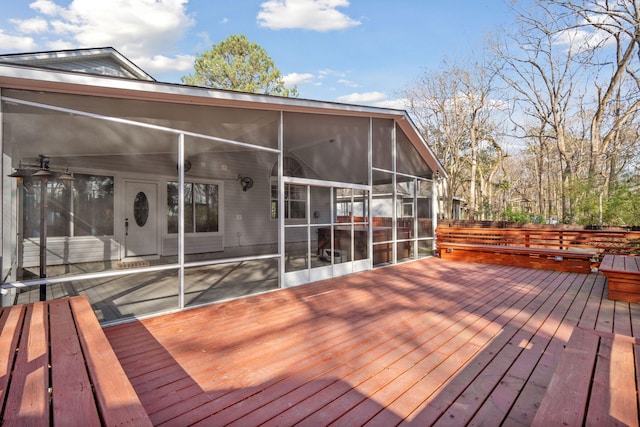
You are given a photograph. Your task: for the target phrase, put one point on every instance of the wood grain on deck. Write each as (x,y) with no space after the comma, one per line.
(430,342)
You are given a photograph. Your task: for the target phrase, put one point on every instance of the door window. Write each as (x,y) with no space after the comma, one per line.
(141,209)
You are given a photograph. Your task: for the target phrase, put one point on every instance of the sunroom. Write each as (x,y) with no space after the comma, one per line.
(151,197)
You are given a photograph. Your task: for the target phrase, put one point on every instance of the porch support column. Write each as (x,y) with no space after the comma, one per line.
(181,220)
(281,233)
(434,210)
(43,236)
(394,196)
(370,196)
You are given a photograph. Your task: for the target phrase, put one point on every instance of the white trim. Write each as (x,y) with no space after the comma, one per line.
(370,193)
(181,287)
(322,183)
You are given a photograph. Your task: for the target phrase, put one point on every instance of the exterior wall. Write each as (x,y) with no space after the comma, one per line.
(65,250)
(240,226)
(248,213)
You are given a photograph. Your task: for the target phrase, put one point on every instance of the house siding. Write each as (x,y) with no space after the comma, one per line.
(71,250)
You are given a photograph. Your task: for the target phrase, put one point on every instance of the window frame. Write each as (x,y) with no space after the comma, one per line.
(70,212)
(193,231)
(287,202)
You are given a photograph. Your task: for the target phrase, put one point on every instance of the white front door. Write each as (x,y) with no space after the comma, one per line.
(141,219)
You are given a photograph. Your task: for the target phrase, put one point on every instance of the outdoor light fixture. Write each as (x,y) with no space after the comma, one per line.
(44,172)
(19,173)
(66,177)
(41,169)
(246,182)
(186,165)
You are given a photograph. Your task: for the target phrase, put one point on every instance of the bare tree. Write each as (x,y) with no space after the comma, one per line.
(610,31)
(453,108)
(491,156)
(542,73)
(434,103)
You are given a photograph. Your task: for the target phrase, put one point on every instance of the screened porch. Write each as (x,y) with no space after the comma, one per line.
(151,206)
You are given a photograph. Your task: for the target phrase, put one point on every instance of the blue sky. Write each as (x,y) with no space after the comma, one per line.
(354,51)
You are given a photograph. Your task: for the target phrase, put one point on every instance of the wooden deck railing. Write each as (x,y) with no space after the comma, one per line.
(604,241)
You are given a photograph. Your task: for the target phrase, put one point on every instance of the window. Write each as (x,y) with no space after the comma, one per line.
(295,196)
(407,208)
(295,202)
(83,207)
(200,207)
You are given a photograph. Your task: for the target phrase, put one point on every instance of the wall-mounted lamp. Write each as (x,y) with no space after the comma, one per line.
(187,166)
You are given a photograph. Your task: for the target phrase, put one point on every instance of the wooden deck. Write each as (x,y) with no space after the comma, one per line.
(427,342)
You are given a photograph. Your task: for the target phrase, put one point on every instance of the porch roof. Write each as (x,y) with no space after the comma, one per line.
(61,81)
(426,342)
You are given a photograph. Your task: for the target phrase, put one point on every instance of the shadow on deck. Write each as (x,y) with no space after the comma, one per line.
(423,343)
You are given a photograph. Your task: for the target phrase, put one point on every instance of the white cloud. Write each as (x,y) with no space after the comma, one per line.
(348,83)
(60,45)
(161,63)
(398,104)
(31,26)
(316,15)
(16,43)
(363,98)
(577,40)
(297,78)
(141,29)
(327,73)
(46,7)
(587,35)
(136,27)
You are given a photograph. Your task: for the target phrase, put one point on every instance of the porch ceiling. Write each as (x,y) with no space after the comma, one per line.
(330,147)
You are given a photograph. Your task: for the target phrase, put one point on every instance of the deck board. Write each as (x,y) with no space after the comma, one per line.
(31,374)
(526,405)
(71,388)
(422,343)
(613,406)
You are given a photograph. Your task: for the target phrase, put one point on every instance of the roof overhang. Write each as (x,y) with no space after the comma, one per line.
(52,60)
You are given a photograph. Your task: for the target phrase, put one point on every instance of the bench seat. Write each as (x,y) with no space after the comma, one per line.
(623,277)
(58,368)
(594,382)
(548,259)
